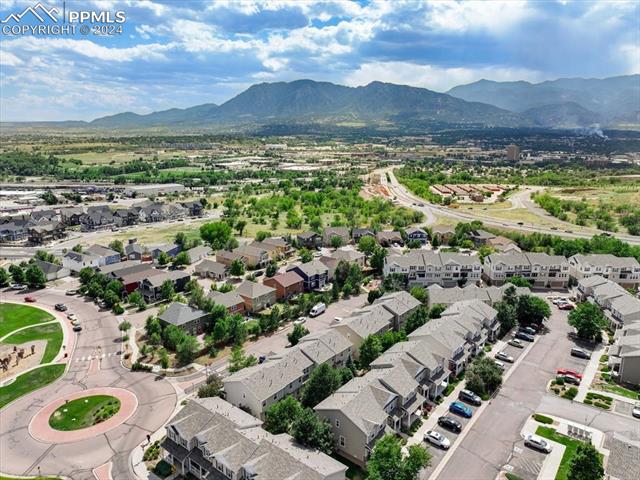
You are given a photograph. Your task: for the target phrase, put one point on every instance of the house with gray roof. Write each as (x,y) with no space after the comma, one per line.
(400,304)
(371,320)
(330,232)
(624,354)
(52,271)
(256,296)
(151,286)
(540,269)
(315,274)
(190,320)
(233,302)
(426,267)
(624,271)
(198,253)
(208,268)
(213,440)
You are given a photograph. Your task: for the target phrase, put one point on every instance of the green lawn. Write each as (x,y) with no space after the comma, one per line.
(51,332)
(84,412)
(570,444)
(30,381)
(13,316)
(617,389)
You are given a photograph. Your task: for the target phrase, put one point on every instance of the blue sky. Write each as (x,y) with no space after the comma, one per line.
(175,53)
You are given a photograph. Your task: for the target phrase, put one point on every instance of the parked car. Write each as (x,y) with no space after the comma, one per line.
(450,423)
(29,299)
(71,292)
(573,373)
(61,307)
(77,328)
(318,309)
(469,397)
(580,353)
(504,356)
(17,286)
(566,306)
(636,410)
(529,330)
(437,439)
(570,379)
(71,316)
(538,443)
(461,409)
(300,321)
(525,336)
(514,342)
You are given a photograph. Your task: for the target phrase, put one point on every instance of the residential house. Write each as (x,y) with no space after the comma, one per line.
(75,261)
(256,296)
(52,271)
(233,302)
(211,439)
(273,251)
(443,233)
(44,216)
(625,271)
(624,354)
(480,237)
(106,256)
(112,269)
(400,304)
(196,254)
(280,243)
(194,208)
(587,285)
(371,320)
(346,254)
(448,339)
(211,269)
(310,240)
(253,257)
(227,257)
(96,218)
(286,284)
(315,274)
(425,267)
(131,278)
(389,238)
(171,249)
(126,216)
(358,233)
(541,269)
(70,216)
(502,244)
(151,287)
(44,232)
(188,319)
(330,232)
(416,235)
(135,251)
(327,346)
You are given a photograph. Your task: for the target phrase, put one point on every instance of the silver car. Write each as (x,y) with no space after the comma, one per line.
(538,443)
(636,410)
(504,356)
(437,439)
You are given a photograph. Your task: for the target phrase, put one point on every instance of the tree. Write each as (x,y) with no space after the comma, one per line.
(296,334)
(124,326)
(417,319)
(336,241)
(483,376)
(532,309)
(238,360)
(187,349)
(262,235)
(4,277)
(367,245)
(305,255)
(436,310)
(136,299)
(181,258)
(388,463)
(34,276)
(86,275)
(171,337)
(370,349)
(311,431)
(519,281)
(17,273)
(47,257)
(163,258)
(280,415)
(323,381)
(117,246)
(167,291)
(237,268)
(240,224)
(588,320)
(420,294)
(77,248)
(164,358)
(272,269)
(394,282)
(216,234)
(586,463)
(373,295)
(212,387)
(49,198)
(507,316)
(152,325)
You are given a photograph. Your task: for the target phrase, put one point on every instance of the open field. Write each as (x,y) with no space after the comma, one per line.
(517,214)
(14,316)
(30,381)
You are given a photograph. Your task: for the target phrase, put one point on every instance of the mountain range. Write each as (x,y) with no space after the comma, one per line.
(563,103)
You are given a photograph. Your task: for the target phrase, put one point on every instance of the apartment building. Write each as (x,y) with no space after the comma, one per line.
(372,320)
(400,304)
(619,306)
(624,354)
(624,271)
(423,268)
(541,269)
(213,440)
(489,295)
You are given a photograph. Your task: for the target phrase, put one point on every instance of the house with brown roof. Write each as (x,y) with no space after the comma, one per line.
(286,284)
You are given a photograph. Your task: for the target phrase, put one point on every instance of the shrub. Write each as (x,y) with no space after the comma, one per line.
(559,381)
(152,452)
(570,393)
(588,402)
(140,367)
(163,469)
(604,358)
(118,309)
(542,418)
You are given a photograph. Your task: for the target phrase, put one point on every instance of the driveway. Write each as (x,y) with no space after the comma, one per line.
(22,455)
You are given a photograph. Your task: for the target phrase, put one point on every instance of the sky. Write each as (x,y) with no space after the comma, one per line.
(180,53)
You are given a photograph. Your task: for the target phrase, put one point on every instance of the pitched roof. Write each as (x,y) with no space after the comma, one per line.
(314,267)
(398,303)
(606,260)
(208,265)
(180,314)
(253,289)
(228,299)
(101,251)
(287,279)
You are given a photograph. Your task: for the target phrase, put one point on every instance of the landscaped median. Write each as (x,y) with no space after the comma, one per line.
(84,412)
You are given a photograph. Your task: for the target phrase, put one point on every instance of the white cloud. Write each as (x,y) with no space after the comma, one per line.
(432,77)
(9,59)
(496,16)
(630,55)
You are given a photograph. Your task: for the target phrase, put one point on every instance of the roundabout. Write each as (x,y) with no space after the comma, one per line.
(82,415)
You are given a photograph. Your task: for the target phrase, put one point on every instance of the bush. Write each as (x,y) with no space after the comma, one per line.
(152,452)
(570,393)
(140,367)
(542,419)
(588,402)
(604,358)
(559,381)
(118,309)
(163,469)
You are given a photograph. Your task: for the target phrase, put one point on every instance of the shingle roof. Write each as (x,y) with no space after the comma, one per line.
(399,303)
(180,314)
(287,279)
(314,267)
(253,290)
(606,260)
(227,300)
(208,265)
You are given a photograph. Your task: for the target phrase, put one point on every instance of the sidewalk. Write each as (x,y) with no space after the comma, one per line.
(589,373)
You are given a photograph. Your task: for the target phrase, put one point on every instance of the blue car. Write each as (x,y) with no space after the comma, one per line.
(461,409)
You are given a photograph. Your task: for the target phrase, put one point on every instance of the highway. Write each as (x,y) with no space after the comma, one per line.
(431,212)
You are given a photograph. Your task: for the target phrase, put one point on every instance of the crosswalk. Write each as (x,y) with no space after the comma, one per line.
(88,358)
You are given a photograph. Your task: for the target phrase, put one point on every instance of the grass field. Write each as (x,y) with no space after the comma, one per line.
(51,332)
(570,445)
(13,316)
(617,389)
(84,412)
(30,381)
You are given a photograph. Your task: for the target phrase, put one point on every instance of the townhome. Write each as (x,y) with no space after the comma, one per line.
(256,296)
(624,271)
(624,354)
(489,295)
(619,306)
(151,287)
(447,339)
(150,212)
(194,208)
(286,284)
(400,304)
(310,240)
(208,268)
(186,318)
(417,235)
(211,439)
(233,302)
(14,231)
(422,268)
(97,217)
(625,309)
(44,232)
(315,274)
(371,320)
(327,346)
(541,269)
(480,313)
(340,232)
(126,216)
(253,257)
(71,215)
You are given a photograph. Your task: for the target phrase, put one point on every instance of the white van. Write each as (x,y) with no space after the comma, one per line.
(318,309)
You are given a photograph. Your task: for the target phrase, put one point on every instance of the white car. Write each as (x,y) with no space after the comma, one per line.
(300,321)
(514,342)
(636,410)
(17,286)
(504,356)
(500,365)
(538,443)
(72,316)
(437,439)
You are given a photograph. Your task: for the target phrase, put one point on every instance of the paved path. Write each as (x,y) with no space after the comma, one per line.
(589,373)
(21,454)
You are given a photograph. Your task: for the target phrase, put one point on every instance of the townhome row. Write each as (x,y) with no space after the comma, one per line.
(624,271)
(425,267)
(386,238)
(623,310)
(489,295)
(541,269)
(406,378)
(214,440)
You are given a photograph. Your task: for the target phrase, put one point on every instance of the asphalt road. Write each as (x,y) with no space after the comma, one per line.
(495,437)
(431,212)
(20,454)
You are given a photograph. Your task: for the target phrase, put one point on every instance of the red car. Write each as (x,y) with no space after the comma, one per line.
(566,306)
(563,371)
(29,299)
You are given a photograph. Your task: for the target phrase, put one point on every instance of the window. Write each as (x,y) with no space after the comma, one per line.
(337,423)
(341,441)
